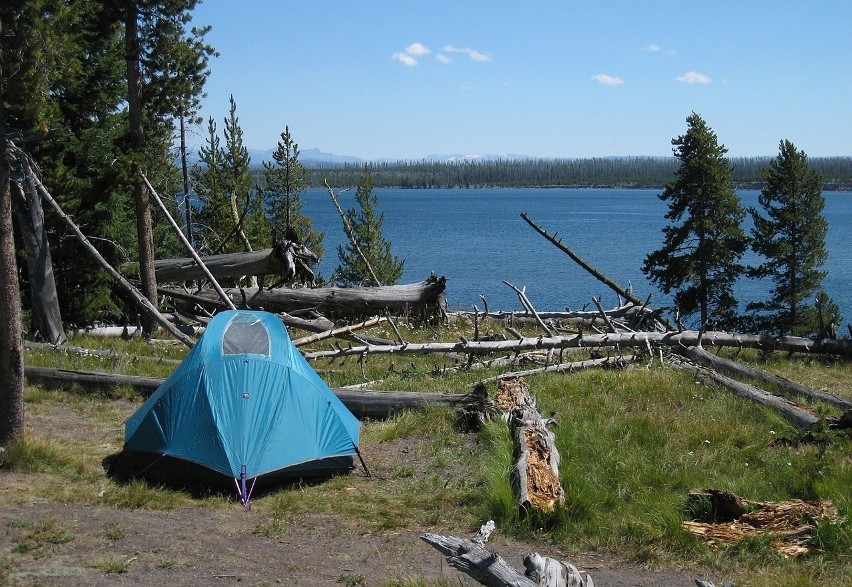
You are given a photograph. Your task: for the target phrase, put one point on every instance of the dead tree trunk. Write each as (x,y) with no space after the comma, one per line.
(586,265)
(423,298)
(620,339)
(472,558)
(733,368)
(274,261)
(30,217)
(797,415)
(362,403)
(536,469)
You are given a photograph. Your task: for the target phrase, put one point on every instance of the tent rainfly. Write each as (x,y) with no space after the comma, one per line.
(244,405)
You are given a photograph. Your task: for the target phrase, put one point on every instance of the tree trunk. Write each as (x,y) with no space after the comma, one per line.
(417,298)
(535,474)
(148,309)
(11,343)
(30,216)
(797,415)
(144,225)
(225,266)
(631,339)
(472,558)
(733,368)
(362,403)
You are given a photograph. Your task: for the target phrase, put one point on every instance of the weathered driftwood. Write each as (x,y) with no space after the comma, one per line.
(424,297)
(488,568)
(796,414)
(362,403)
(736,369)
(535,474)
(477,562)
(26,205)
(278,260)
(621,339)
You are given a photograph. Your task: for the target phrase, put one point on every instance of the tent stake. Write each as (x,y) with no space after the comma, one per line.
(363,464)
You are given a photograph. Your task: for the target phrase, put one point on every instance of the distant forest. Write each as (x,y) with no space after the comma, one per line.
(622,172)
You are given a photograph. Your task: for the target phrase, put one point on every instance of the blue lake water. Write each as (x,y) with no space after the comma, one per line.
(476,238)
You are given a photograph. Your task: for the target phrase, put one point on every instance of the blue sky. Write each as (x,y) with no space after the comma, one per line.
(408,79)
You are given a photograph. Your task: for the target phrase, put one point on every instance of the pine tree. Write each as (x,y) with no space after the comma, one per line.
(699,259)
(213,217)
(231,216)
(285,179)
(364,226)
(790,236)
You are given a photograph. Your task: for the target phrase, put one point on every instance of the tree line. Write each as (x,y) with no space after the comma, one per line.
(621,172)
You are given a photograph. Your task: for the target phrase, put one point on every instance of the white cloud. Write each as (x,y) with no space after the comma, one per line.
(654,48)
(417,49)
(443,58)
(411,53)
(405,58)
(608,80)
(472,53)
(694,77)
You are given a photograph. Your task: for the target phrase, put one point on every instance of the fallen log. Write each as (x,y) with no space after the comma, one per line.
(588,266)
(619,339)
(423,298)
(317,324)
(796,414)
(362,403)
(733,368)
(535,474)
(272,261)
(604,362)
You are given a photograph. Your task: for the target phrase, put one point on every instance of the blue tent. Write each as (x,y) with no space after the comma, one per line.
(243,405)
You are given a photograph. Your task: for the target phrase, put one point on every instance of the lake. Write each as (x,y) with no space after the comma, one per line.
(477,239)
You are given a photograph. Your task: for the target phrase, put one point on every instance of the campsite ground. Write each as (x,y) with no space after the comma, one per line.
(55,534)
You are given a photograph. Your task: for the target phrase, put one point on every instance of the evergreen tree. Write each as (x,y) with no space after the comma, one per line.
(699,259)
(791,239)
(246,208)
(231,217)
(285,179)
(208,175)
(364,226)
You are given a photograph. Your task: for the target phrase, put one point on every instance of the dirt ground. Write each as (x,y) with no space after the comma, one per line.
(199,547)
(203,546)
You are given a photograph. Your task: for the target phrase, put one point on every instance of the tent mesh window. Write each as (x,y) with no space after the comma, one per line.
(246,335)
